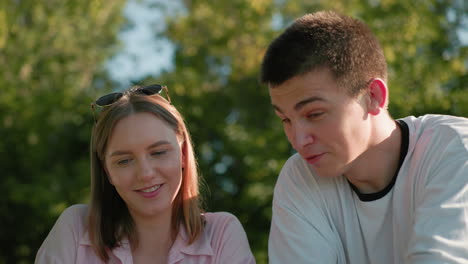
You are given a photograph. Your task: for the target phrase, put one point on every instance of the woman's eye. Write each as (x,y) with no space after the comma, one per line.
(123,162)
(158,153)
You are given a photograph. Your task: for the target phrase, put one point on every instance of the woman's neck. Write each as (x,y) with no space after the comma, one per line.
(155,239)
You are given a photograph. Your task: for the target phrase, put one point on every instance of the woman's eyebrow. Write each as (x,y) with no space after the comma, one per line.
(124,152)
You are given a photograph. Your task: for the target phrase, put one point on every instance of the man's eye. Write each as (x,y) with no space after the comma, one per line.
(284,119)
(314,115)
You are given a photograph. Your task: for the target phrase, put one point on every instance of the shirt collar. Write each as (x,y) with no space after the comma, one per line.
(200,247)
(122,251)
(86,241)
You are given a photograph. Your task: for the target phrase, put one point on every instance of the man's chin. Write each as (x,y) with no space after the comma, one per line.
(323,172)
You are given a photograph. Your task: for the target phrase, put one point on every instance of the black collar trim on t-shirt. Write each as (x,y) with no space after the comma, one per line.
(368,197)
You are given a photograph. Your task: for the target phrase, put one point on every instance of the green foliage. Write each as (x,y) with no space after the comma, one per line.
(51,54)
(219,46)
(240,143)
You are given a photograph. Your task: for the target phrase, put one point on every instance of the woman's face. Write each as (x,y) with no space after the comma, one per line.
(144,161)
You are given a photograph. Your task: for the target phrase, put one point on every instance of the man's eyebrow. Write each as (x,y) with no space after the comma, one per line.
(277,108)
(123,152)
(302,103)
(309,100)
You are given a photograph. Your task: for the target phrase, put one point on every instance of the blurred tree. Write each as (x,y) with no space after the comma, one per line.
(51,55)
(219,47)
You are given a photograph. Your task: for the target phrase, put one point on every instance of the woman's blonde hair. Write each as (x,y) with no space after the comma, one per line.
(109,220)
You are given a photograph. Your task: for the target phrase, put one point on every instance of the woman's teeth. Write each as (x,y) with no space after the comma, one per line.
(152,189)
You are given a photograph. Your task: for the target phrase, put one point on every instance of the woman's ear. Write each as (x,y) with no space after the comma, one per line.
(378,96)
(106,172)
(183,150)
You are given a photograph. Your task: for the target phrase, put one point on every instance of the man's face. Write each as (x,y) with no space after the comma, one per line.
(326,126)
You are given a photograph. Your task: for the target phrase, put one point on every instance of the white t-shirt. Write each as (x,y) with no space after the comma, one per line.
(421,217)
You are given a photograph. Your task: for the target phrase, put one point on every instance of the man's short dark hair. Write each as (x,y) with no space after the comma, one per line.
(330,40)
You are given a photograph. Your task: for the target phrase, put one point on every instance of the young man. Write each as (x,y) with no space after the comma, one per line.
(363,187)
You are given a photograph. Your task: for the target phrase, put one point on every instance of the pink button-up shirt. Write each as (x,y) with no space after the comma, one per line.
(223,241)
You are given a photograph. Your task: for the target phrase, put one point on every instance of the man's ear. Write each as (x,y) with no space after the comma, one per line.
(378,96)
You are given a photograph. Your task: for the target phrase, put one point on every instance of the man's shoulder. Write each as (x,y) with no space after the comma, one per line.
(437,122)
(438,147)
(294,162)
(297,176)
(294,169)
(438,129)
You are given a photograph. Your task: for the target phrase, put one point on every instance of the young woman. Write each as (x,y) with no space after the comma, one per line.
(145,205)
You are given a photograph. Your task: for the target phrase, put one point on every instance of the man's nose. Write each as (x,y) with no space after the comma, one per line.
(303,135)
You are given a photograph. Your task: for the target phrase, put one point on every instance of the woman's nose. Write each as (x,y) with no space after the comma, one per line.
(146,169)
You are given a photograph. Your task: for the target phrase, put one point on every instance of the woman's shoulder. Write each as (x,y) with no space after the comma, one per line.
(76,211)
(74,215)
(215,219)
(227,237)
(72,219)
(62,241)
(220,224)
(219,216)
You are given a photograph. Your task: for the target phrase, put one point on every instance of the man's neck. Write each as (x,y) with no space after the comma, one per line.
(374,169)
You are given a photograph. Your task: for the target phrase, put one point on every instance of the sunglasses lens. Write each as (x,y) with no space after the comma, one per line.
(108,99)
(150,89)
(111,98)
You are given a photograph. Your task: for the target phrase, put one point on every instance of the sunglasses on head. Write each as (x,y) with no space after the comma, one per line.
(111,98)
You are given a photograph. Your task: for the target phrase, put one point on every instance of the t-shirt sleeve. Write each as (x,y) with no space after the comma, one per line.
(300,230)
(230,240)
(61,244)
(440,232)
